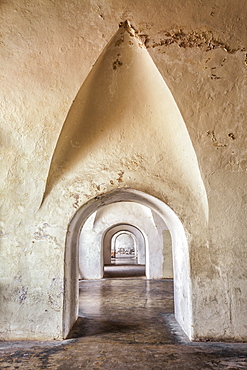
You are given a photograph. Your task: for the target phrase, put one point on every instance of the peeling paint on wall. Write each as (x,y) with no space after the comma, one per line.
(185,39)
(120,98)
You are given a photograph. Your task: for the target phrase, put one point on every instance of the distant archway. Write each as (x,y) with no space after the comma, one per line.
(91,263)
(124,242)
(140,241)
(182,281)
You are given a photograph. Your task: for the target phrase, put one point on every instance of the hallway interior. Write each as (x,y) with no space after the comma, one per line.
(124,324)
(123,134)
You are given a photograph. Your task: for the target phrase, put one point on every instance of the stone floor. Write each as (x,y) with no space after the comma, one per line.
(124,271)
(124,324)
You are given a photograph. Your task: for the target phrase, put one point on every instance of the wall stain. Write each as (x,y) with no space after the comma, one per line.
(120,176)
(189,40)
(116,64)
(119,41)
(41,234)
(215,141)
(77,198)
(214,77)
(132,32)
(22,294)
(231,135)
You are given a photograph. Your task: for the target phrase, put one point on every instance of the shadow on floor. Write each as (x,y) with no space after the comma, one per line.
(124,271)
(124,324)
(85,327)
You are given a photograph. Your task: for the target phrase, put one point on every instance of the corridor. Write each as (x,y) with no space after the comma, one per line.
(124,324)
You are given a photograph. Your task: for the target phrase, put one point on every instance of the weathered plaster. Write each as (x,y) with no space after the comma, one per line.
(121,101)
(47,51)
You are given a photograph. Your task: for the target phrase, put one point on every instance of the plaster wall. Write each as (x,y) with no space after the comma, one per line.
(167,248)
(92,236)
(47,50)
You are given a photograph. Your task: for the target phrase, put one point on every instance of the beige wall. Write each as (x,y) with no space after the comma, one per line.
(47,50)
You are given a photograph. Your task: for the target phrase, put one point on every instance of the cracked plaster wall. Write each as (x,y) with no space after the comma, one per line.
(47,50)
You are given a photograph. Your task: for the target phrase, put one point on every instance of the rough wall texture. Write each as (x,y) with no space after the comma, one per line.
(47,50)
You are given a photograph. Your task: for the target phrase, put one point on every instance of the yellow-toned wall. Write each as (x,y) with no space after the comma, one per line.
(47,50)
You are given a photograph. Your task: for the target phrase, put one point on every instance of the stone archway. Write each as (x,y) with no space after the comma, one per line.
(150,224)
(140,239)
(124,241)
(182,279)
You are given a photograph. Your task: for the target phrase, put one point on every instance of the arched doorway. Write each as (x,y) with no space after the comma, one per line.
(182,282)
(123,245)
(143,222)
(124,248)
(140,242)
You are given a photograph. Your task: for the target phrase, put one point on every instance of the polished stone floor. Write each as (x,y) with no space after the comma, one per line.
(124,323)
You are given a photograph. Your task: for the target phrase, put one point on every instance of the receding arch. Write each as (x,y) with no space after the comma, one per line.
(140,238)
(181,266)
(91,264)
(124,237)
